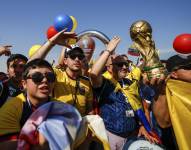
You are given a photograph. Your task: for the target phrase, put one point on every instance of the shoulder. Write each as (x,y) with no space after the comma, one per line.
(60,74)
(14,102)
(10,115)
(12,108)
(57,71)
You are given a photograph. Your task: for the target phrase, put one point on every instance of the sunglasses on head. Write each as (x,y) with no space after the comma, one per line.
(37,77)
(74,56)
(121,64)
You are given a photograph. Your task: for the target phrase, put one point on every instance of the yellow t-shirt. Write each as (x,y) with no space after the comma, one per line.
(10,115)
(80,96)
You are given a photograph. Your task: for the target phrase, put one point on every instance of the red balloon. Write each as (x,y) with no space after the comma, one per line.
(51,32)
(182,43)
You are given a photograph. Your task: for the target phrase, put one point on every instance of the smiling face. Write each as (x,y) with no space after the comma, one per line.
(42,89)
(118,67)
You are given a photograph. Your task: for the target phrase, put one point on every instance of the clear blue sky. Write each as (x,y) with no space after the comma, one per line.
(23,23)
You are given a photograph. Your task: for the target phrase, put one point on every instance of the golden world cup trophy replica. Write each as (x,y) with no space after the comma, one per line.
(141,35)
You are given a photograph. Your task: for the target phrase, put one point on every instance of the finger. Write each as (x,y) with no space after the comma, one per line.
(147,138)
(150,139)
(64,30)
(155,140)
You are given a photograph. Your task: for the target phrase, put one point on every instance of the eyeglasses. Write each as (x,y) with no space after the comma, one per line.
(121,64)
(74,56)
(37,77)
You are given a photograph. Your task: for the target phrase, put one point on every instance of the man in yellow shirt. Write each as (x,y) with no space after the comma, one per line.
(38,81)
(70,86)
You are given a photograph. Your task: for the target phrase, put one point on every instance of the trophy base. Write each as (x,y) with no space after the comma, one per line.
(157,72)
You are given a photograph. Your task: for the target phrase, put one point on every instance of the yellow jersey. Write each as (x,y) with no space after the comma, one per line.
(75,92)
(10,115)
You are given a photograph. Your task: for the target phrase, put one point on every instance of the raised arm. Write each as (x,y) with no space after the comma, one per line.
(97,68)
(60,38)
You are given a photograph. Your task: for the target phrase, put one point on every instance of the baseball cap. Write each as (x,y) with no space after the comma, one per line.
(175,62)
(74,49)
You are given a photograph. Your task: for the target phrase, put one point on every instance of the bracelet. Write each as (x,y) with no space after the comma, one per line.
(107,51)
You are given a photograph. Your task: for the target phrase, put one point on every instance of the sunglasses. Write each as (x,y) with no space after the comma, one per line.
(121,64)
(74,56)
(37,77)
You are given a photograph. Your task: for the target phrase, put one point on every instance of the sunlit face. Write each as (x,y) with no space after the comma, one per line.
(119,69)
(15,69)
(40,90)
(75,62)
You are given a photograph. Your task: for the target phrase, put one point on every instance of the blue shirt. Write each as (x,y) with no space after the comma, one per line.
(115,109)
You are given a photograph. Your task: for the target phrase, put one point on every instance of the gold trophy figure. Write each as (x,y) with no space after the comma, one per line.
(141,35)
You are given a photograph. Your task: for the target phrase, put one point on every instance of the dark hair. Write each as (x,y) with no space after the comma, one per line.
(12,57)
(34,64)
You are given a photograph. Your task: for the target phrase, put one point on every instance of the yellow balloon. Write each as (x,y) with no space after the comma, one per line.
(74,23)
(33,50)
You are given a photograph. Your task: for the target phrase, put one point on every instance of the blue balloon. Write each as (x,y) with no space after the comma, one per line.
(63,21)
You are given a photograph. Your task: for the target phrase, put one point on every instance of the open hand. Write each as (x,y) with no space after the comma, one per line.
(113,44)
(62,37)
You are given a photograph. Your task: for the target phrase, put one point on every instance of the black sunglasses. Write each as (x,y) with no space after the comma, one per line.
(74,56)
(37,77)
(121,64)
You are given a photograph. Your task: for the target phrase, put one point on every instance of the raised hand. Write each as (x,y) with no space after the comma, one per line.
(62,37)
(5,50)
(113,44)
